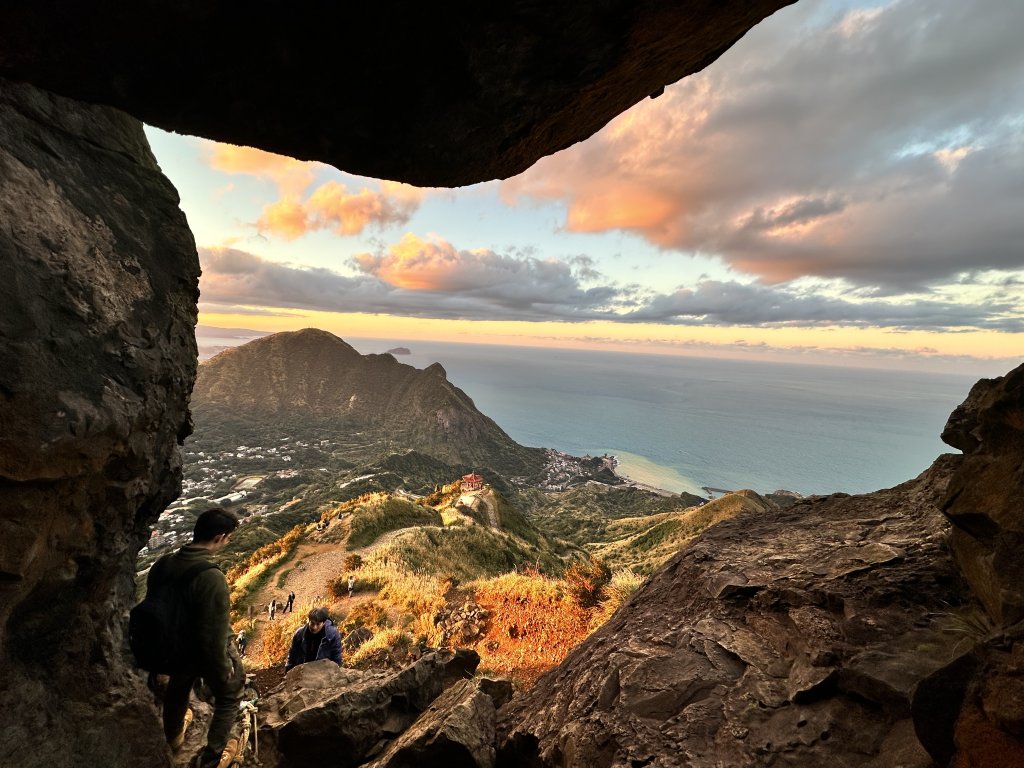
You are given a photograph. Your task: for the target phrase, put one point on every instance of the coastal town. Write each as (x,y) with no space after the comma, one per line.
(275,476)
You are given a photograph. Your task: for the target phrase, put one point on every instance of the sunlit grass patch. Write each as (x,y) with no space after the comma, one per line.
(386,648)
(535,622)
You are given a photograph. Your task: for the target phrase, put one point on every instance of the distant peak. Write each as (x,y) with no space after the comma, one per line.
(436,369)
(310,333)
(313,336)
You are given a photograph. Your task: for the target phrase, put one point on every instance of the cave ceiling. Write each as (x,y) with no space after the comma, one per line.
(441,94)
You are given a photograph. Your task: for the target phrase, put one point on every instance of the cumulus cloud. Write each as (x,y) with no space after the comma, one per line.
(346,212)
(431,278)
(885,147)
(330,205)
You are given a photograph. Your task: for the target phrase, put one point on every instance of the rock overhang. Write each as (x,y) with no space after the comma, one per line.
(430,94)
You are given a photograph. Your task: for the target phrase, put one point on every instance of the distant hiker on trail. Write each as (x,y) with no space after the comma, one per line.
(272,608)
(317,639)
(241,641)
(289,607)
(204,624)
(351,584)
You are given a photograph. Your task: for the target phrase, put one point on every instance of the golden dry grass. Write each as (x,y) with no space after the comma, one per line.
(533,621)
(385,648)
(534,624)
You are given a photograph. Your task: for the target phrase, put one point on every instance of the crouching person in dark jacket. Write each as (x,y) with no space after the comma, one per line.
(317,639)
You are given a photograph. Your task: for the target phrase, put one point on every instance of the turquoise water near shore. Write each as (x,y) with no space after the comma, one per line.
(680,423)
(643,470)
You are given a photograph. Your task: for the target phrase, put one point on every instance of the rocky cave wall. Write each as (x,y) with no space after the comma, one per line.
(98,290)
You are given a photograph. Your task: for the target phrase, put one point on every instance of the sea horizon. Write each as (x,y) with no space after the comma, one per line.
(681,423)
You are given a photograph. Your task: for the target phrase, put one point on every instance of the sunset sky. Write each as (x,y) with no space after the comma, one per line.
(844,186)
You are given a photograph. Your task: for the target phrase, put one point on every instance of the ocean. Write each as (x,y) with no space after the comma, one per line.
(680,423)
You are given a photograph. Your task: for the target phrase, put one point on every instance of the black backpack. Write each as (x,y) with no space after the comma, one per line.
(158,627)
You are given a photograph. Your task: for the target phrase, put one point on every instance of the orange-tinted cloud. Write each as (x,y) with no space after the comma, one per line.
(287,218)
(331,205)
(291,176)
(625,206)
(421,265)
(415,277)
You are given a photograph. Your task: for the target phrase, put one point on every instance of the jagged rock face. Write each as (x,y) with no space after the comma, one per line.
(98,285)
(312,374)
(984,500)
(438,95)
(328,713)
(457,731)
(971,712)
(796,637)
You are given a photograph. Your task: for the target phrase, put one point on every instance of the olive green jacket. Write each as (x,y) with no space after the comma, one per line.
(208,602)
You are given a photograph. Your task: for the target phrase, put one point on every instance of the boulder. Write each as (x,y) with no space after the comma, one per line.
(329,713)
(846,604)
(98,289)
(456,731)
(971,711)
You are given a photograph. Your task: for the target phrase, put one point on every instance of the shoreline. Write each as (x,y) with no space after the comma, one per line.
(648,467)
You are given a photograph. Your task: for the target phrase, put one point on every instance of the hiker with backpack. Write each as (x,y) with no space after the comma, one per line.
(182,629)
(317,639)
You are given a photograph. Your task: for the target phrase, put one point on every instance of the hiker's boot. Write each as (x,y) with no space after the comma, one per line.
(178,741)
(205,759)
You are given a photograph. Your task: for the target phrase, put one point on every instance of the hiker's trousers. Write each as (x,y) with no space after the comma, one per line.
(226,695)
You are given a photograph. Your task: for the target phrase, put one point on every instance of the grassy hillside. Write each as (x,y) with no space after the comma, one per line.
(582,515)
(382,513)
(644,543)
(466,570)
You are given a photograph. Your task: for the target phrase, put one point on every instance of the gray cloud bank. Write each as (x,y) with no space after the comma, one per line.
(487,286)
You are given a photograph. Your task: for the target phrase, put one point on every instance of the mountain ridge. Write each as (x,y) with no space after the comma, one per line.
(315,373)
